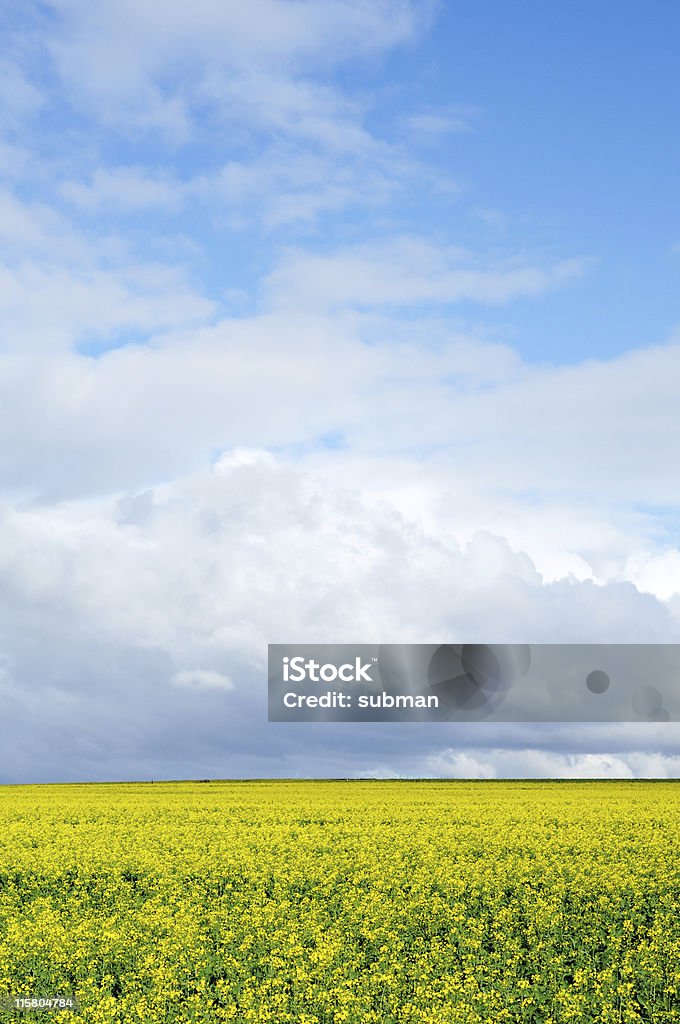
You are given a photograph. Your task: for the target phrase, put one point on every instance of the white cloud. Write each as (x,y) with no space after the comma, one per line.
(118,612)
(116,55)
(452,764)
(21,100)
(440,121)
(45,307)
(251,81)
(258,543)
(123,188)
(264,31)
(284,185)
(254,80)
(202,679)
(406,271)
(35,229)
(655,573)
(456,428)
(60,287)
(537,763)
(289,185)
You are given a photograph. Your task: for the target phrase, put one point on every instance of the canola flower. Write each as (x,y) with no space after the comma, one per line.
(391,902)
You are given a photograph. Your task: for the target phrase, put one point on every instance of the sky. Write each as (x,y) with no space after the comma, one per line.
(330,321)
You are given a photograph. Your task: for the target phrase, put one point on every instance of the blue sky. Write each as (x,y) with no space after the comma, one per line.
(548,136)
(338,321)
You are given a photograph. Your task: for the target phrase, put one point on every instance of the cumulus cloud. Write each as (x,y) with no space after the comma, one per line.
(539,764)
(655,572)
(136,627)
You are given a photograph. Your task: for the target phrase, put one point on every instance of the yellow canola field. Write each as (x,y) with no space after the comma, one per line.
(351,902)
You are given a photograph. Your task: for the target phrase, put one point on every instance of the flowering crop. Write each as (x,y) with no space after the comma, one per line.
(344,902)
